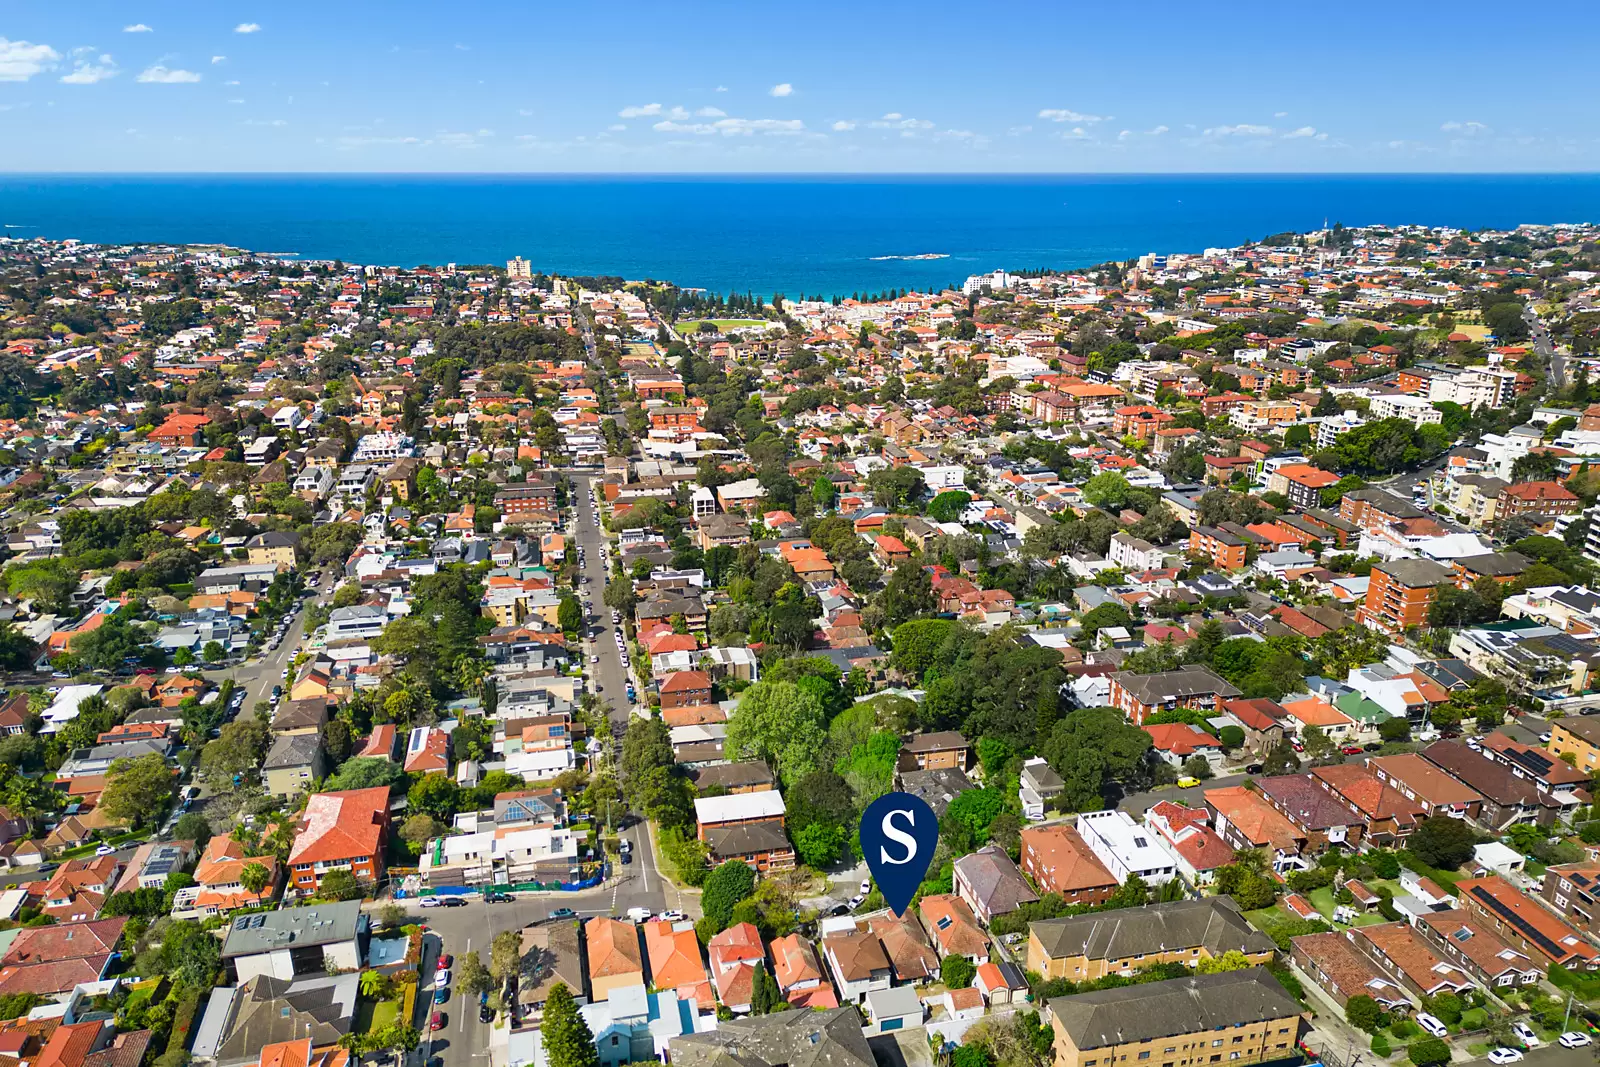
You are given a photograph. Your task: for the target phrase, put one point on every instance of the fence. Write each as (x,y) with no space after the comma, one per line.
(520,887)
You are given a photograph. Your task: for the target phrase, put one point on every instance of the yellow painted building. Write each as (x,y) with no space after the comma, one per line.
(1579,735)
(1237,1017)
(1086,947)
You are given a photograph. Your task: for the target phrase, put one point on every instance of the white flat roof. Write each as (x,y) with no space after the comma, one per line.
(735,806)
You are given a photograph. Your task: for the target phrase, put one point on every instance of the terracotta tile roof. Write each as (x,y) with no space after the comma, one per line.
(613,947)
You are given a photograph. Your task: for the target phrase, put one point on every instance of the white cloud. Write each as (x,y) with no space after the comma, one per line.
(617,127)
(160,75)
(219,59)
(1244,129)
(20,60)
(844,124)
(1280,114)
(1062,114)
(526,113)
(1124,135)
(86,71)
(781,89)
(1077,133)
(247,27)
(1156,131)
(1304,131)
(893,121)
(237,100)
(711,113)
(1464,127)
(732,127)
(722,89)
(463,47)
(137,27)
(639,112)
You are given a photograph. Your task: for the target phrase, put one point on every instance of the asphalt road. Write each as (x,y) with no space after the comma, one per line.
(637,884)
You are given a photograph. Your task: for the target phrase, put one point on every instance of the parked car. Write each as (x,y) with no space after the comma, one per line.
(1432,1025)
(105,850)
(455,902)
(563,913)
(441,976)
(485,1013)
(627,859)
(437,1021)
(855,902)
(499,898)
(441,994)
(1523,1031)
(432,902)
(1505,1055)
(1575,1039)
(1351,750)
(671,915)
(866,886)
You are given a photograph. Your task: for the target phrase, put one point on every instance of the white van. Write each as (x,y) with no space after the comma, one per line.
(638,915)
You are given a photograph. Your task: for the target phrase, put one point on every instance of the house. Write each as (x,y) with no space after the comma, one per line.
(1343,971)
(53,960)
(306,716)
(685,688)
(79,888)
(428,751)
(1039,784)
(1059,861)
(283,944)
(797,1038)
(1089,947)
(735,953)
(1404,956)
(937,751)
(953,928)
(675,964)
(1243,818)
(990,883)
(858,963)
(342,830)
(1469,943)
(274,547)
(1125,848)
(1425,783)
(1179,742)
(1200,852)
(1139,696)
(1507,798)
(293,763)
(1525,924)
(911,959)
(799,974)
(1390,815)
(219,880)
(615,960)
(1257,1019)
(632,1025)
(1260,719)
(276,1022)
(1320,817)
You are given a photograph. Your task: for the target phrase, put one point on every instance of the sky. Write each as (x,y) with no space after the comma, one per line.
(827,86)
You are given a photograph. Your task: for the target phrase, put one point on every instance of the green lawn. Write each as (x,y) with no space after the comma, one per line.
(724,325)
(375,1015)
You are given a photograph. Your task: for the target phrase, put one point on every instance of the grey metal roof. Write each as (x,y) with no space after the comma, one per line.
(315,924)
(801,1037)
(1180,1006)
(1213,923)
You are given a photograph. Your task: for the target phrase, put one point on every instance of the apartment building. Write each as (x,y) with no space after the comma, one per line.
(1238,1017)
(1400,593)
(1088,947)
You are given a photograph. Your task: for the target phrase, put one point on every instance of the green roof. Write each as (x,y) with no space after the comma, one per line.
(1360,708)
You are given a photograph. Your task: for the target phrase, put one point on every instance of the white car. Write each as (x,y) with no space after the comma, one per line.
(855,902)
(866,886)
(441,977)
(430,902)
(1524,1034)
(672,915)
(1574,1039)
(1545,737)
(1433,1026)
(1505,1055)
(105,850)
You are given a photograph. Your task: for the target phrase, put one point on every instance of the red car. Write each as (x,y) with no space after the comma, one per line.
(145,670)
(437,1022)
(445,961)
(1351,750)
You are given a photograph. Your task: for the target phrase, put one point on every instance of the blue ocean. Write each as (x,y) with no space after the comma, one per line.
(794,235)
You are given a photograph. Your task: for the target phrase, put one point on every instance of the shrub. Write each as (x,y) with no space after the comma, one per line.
(1380,1045)
(1428,1050)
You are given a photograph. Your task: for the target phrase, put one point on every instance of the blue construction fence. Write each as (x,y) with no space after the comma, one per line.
(521,887)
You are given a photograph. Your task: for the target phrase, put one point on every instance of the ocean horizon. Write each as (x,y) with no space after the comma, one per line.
(798,234)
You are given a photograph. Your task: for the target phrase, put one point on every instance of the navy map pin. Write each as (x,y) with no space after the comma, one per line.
(898,835)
